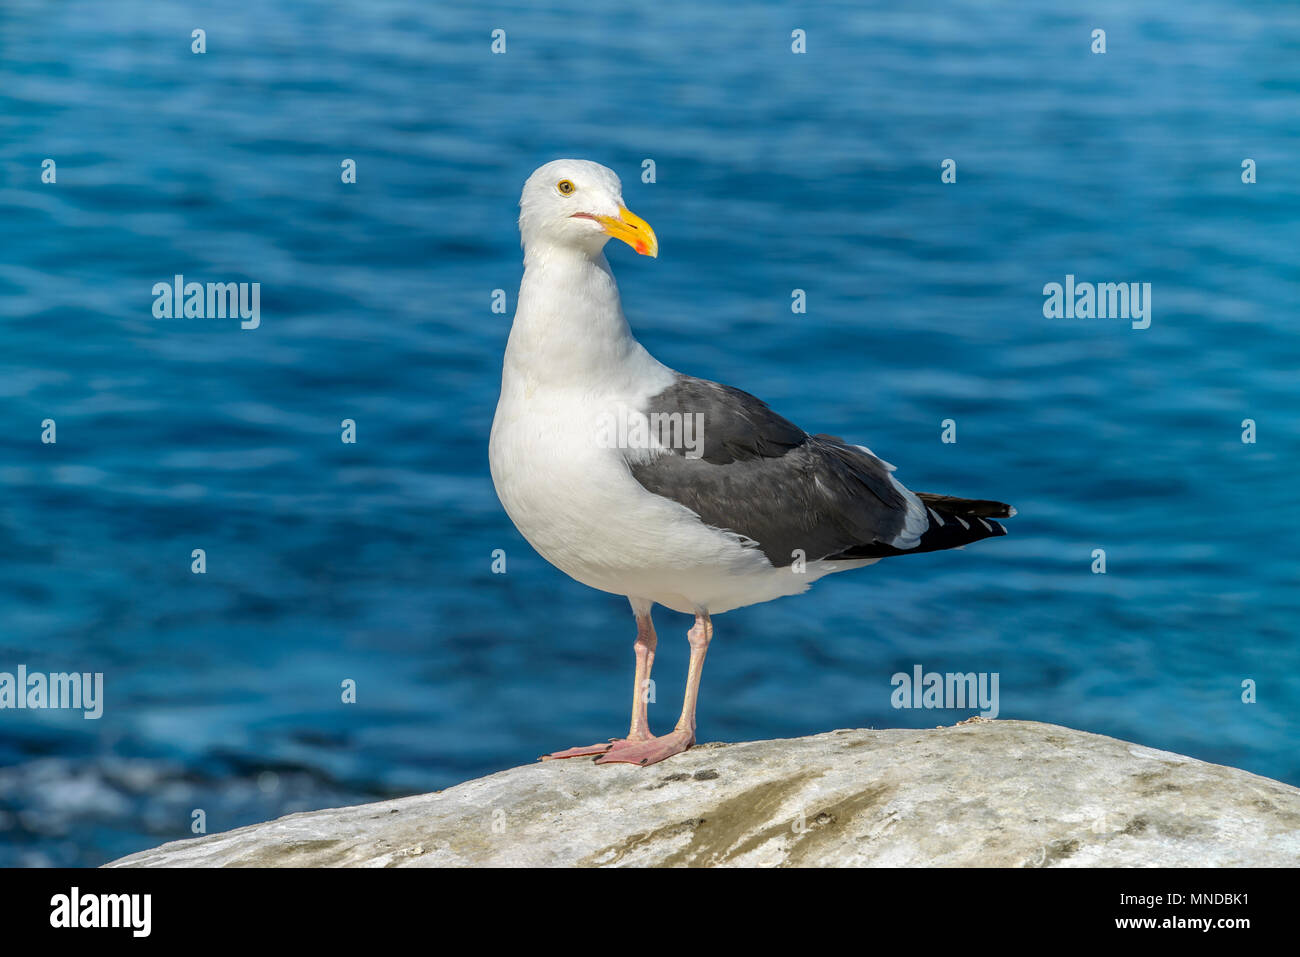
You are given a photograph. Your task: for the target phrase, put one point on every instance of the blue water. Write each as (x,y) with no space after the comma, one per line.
(775,171)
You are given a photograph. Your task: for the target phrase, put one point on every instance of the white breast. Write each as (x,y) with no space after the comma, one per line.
(576,502)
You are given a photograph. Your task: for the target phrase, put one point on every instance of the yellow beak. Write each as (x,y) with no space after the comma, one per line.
(633,230)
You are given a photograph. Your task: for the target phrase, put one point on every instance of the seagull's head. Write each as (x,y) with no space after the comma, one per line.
(579,204)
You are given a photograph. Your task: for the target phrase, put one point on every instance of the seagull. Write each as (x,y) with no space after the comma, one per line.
(640,481)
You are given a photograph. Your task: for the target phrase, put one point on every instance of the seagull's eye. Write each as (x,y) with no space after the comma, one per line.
(565,187)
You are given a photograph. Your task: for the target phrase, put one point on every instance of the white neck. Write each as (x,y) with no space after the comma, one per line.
(569,327)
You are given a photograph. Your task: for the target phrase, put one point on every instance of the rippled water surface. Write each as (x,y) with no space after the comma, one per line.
(371,561)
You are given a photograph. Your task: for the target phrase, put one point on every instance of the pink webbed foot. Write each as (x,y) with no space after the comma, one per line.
(586,752)
(592,749)
(650,751)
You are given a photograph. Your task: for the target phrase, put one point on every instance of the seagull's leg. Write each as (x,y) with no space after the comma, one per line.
(646,641)
(682,737)
(699,636)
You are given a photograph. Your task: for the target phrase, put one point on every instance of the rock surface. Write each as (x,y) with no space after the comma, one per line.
(982,793)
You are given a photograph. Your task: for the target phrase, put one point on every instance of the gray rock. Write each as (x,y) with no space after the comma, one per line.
(982,793)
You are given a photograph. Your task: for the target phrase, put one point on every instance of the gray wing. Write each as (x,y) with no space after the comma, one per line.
(760,475)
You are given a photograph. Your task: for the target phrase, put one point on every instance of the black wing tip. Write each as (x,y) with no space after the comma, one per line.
(949,527)
(955,530)
(968,507)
